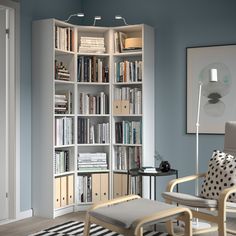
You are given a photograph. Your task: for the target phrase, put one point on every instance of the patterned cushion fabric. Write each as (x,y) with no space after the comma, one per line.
(221,175)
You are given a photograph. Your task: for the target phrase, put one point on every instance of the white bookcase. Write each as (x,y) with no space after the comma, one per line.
(76,114)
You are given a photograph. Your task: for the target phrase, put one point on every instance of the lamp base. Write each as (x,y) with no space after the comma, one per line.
(200,225)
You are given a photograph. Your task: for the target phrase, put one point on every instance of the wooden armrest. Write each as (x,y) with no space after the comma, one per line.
(174,182)
(224,196)
(161,215)
(114,201)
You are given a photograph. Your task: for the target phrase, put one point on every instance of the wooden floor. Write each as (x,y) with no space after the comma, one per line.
(35,224)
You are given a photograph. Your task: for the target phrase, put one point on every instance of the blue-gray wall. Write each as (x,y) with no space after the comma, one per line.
(34,10)
(178,24)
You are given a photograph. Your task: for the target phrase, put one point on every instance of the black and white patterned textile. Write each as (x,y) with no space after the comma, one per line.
(221,175)
(76,228)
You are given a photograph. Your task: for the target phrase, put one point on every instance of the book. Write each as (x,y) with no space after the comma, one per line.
(92,161)
(149,169)
(122,37)
(63,102)
(61,71)
(92,45)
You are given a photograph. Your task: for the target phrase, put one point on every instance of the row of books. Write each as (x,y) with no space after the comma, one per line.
(84,188)
(93,104)
(127,157)
(92,69)
(63,102)
(64,38)
(88,132)
(63,131)
(61,72)
(119,41)
(128,71)
(133,95)
(92,45)
(136,185)
(92,161)
(128,132)
(62,161)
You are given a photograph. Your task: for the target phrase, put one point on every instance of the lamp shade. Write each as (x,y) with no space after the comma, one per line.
(213,75)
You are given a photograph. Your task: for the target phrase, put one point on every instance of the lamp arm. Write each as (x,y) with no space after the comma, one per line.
(124,21)
(70,17)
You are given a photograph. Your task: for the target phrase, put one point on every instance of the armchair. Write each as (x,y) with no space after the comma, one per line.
(212,210)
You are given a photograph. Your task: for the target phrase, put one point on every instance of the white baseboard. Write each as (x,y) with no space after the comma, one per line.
(22,215)
(25,214)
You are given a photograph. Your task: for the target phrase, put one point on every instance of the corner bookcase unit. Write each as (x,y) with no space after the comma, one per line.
(132,105)
(76,118)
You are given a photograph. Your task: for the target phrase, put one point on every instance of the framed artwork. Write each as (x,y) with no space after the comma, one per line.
(218,99)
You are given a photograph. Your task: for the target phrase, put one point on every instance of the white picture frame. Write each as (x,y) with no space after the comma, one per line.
(218,99)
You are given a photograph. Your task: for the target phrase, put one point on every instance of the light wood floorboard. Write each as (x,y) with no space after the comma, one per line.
(35,224)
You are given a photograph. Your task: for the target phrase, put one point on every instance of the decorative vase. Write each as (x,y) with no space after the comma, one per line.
(164,166)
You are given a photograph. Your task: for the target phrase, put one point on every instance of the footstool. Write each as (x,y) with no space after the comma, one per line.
(127,215)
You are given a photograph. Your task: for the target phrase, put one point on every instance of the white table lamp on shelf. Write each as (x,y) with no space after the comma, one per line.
(212,78)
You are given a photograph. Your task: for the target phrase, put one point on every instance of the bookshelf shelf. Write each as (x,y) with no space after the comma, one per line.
(93,144)
(93,115)
(64,82)
(63,52)
(77,125)
(65,146)
(92,171)
(127,145)
(128,54)
(128,115)
(64,115)
(120,171)
(94,54)
(126,83)
(93,84)
(64,174)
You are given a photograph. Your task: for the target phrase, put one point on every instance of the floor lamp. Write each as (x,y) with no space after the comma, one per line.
(212,78)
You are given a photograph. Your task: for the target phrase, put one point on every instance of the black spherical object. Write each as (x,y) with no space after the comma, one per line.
(164,166)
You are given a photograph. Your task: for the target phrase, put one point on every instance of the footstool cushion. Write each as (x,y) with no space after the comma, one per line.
(126,214)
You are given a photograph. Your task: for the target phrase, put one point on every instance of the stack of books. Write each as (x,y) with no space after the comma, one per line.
(92,45)
(64,38)
(61,161)
(63,102)
(92,161)
(61,72)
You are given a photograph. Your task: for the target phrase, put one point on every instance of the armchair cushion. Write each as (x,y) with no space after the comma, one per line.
(194,201)
(221,175)
(189,200)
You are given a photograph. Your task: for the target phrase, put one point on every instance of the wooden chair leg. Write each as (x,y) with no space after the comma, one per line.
(169,227)
(188,224)
(140,232)
(222,228)
(87,225)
